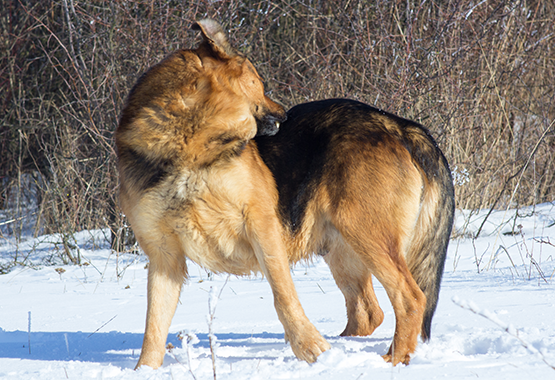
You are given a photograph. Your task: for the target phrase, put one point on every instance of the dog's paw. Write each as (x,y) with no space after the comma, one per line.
(405,359)
(308,345)
(286,337)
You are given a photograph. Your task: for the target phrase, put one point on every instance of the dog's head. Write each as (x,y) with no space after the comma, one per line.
(232,68)
(196,106)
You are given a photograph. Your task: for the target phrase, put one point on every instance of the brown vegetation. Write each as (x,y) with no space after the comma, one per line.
(479,74)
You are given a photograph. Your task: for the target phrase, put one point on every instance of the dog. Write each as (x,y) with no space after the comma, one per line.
(214,171)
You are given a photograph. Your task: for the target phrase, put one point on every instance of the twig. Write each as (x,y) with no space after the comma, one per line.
(188,338)
(212,302)
(211,336)
(17,219)
(94,332)
(508,328)
(29,332)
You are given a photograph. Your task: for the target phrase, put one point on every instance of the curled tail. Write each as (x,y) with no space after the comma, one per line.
(426,253)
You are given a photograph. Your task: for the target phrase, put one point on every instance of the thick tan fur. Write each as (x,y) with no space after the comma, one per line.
(196,184)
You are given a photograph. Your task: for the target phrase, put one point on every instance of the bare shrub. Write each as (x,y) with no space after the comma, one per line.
(480,75)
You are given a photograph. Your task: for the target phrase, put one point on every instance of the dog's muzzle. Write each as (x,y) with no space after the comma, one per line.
(269,125)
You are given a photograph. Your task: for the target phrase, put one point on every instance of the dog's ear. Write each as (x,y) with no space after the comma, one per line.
(216,38)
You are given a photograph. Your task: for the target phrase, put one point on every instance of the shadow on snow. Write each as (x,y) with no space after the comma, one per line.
(114,347)
(123,349)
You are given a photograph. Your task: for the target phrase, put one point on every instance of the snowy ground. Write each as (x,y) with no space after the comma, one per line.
(87,322)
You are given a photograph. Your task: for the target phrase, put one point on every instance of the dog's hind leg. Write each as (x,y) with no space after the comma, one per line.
(374,194)
(382,256)
(354,279)
(378,233)
(166,273)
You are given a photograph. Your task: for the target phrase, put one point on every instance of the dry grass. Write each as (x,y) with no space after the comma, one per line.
(479,75)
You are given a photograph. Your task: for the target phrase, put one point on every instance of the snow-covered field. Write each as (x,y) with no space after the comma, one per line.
(495,318)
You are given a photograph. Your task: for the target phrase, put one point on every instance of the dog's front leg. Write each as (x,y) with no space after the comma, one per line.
(165,278)
(306,342)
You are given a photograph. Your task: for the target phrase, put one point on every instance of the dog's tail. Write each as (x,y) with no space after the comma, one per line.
(428,248)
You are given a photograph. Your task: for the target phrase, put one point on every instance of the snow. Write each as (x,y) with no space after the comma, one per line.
(495,317)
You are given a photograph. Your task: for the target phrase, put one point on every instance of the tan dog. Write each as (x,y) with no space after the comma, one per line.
(368,190)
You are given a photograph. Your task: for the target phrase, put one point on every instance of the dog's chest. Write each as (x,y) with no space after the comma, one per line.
(211,225)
